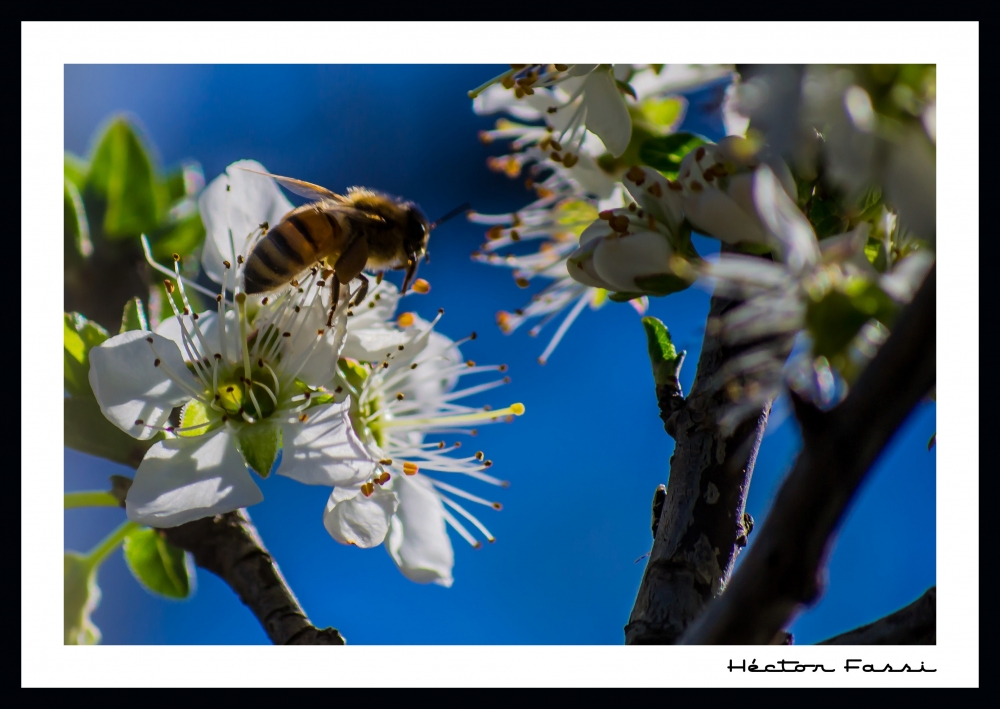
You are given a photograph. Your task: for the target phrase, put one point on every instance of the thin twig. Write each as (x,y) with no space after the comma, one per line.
(229,546)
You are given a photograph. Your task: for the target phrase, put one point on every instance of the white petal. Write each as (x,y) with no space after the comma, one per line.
(590,177)
(432,377)
(743,270)
(370,344)
(352,518)
(250,201)
(316,363)
(904,280)
(714,213)
(620,260)
(184,479)
(208,325)
(418,538)
(666,208)
(129,387)
(325,449)
(580,265)
(784,221)
(607,115)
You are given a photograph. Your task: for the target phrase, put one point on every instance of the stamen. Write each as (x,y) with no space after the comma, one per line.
(462,511)
(515,409)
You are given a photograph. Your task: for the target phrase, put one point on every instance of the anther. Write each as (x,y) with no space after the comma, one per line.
(241,298)
(156,362)
(605,215)
(487,463)
(385,365)
(472,336)
(401,347)
(240,260)
(168,284)
(260,363)
(503,367)
(176,257)
(286,334)
(497,506)
(521,282)
(636,175)
(413,366)
(149,340)
(655,189)
(405,319)
(338,390)
(399,396)
(383,478)
(227,264)
(264,302)
(385,461)
(479,455)
(470,363)
(139,422)
(303,417)
(367,489)
(421,286)
(440,445)
(229,390)
(410,468)
(218,299)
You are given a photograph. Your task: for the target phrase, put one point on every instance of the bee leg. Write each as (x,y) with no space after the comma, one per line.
(411,271)
(362,290)
(335,297)
(352,261)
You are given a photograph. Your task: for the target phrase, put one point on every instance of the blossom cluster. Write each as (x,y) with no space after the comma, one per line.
(574,129)
(350,396)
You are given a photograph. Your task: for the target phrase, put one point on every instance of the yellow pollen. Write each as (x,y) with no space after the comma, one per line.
(410,468)
(421,286)
(405,319)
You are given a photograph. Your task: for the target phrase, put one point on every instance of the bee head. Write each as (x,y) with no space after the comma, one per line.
(418,230)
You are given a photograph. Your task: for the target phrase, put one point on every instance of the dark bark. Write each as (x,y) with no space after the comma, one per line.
(916,624)
(701,526)
(782,570)
(228,545)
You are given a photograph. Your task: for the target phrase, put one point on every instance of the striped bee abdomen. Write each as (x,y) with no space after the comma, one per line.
(291,247)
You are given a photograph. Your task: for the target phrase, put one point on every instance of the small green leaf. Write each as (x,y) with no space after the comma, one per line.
(80,597)
(661,113)
(80,335)
(158,565)
(260,445)
(664,357)
(664,153)
(76,230)
(662,284)
(75,170)
(134,317)
(875,252)
(625,88)
(121,179)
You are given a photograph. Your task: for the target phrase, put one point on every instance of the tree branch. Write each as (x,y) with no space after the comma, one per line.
(701,526)
(229,546)
(916,624)
(781,570)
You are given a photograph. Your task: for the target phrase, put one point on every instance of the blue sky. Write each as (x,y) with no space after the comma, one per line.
(583,461)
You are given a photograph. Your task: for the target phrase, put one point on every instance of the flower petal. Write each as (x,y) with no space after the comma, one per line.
(129,387)
(250,201)
(580,265)
(316,364)
(620,260)
(713,213)
(607,115)
(325,449)
(352,518)
(653,194)
(183,479)
(788,226)
(418,538)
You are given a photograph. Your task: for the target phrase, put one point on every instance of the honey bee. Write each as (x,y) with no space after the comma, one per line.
(348,233)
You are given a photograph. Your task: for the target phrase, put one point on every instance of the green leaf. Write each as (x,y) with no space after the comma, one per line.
(182,237)
(75,170)
(80,335)
(664,357)
(875,252)
(834,319)
(121,179)
(664,153)
(76,230)
(260,446)
(661,113)
(158,565)
(662,284)
(134,317)
(80,597)
(87,430)
(625,88)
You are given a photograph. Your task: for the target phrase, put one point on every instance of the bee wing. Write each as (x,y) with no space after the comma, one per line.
(299,187)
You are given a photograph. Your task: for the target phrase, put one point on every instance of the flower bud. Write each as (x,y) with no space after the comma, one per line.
(717,182)
(623,254)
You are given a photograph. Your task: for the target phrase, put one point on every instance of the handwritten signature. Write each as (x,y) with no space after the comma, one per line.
(796,666)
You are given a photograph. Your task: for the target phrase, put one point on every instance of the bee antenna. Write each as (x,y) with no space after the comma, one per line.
(450,215)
